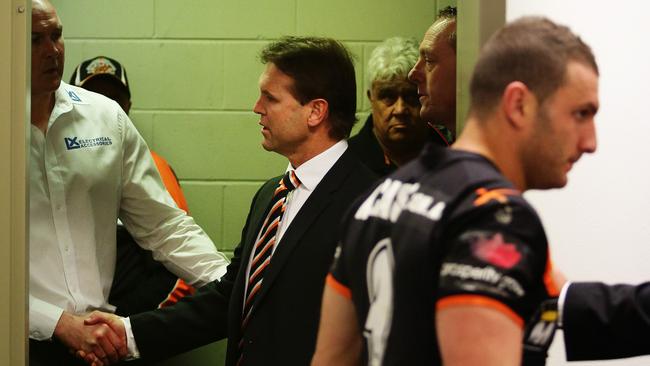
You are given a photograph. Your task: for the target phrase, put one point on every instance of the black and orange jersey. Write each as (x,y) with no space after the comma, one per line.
(446,230)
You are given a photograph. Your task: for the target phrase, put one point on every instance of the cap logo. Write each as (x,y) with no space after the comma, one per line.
(101,66)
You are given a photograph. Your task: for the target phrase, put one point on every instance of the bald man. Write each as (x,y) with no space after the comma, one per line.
(89,167)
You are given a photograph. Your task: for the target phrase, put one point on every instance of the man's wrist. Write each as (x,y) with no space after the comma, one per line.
(63,325)
(43,318)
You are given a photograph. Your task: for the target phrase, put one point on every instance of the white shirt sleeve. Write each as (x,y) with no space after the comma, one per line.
(43,318)
(560,303)
(151,216)
(130,340)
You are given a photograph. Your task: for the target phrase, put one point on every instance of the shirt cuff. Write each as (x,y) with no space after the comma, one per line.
(132,347)
(560,303)
(43,318)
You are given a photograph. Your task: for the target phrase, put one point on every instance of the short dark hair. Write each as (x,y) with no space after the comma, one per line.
(532,50)
(450,13)
(320,68)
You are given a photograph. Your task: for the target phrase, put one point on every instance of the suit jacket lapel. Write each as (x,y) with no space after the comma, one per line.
(258,213)
(315,204)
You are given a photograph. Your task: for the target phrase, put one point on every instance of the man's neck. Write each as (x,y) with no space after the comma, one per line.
(451,125)
(400,154)
(309,151)
(492,142)
(42,105)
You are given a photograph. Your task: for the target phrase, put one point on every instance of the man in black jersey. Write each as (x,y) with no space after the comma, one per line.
(444,260)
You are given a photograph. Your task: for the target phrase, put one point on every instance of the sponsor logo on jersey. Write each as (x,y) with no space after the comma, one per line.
(543,331)
(504,215)
(540,330)
(487,274)
(494,250)
(392,197)
(72,143)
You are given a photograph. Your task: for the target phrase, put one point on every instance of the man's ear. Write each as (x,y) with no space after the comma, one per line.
(319,111)
(518,104)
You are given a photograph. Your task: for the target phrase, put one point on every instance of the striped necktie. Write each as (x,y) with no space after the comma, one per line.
(264,245)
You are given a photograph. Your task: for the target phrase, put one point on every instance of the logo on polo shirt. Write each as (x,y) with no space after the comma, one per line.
(74,96)
(74,142)
(71,143)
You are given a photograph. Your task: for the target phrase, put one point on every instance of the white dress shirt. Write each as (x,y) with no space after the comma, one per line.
(310,174)
(90,168)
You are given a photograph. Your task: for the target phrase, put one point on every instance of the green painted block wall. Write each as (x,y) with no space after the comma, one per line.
(193,68)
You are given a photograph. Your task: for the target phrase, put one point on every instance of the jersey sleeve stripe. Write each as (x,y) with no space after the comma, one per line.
(551,287)
(478,300)
(338,287)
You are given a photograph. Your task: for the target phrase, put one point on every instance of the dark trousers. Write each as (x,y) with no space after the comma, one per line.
(51,353)
(47,353)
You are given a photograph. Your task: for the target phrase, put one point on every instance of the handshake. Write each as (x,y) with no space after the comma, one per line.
(97,338)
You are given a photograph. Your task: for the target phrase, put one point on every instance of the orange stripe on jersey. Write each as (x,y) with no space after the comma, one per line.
(180,290)
(499,194)
(338,287)
(478,300)
(551,287)
(170,181)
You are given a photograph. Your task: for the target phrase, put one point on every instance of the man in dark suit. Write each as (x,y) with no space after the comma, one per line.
(268,305)
(599,321)
(605,321)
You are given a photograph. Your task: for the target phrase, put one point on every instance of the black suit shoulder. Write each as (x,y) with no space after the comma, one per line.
(606,321)
(358,176)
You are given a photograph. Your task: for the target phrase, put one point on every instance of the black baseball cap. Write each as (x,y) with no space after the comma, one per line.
(100,65)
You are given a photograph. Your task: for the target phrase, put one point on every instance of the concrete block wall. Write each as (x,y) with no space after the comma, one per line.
(193,70)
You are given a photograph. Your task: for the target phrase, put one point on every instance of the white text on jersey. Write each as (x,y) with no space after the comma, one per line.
(391,197)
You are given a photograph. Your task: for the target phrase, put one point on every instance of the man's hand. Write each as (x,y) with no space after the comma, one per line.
(99,339)
(114,322)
